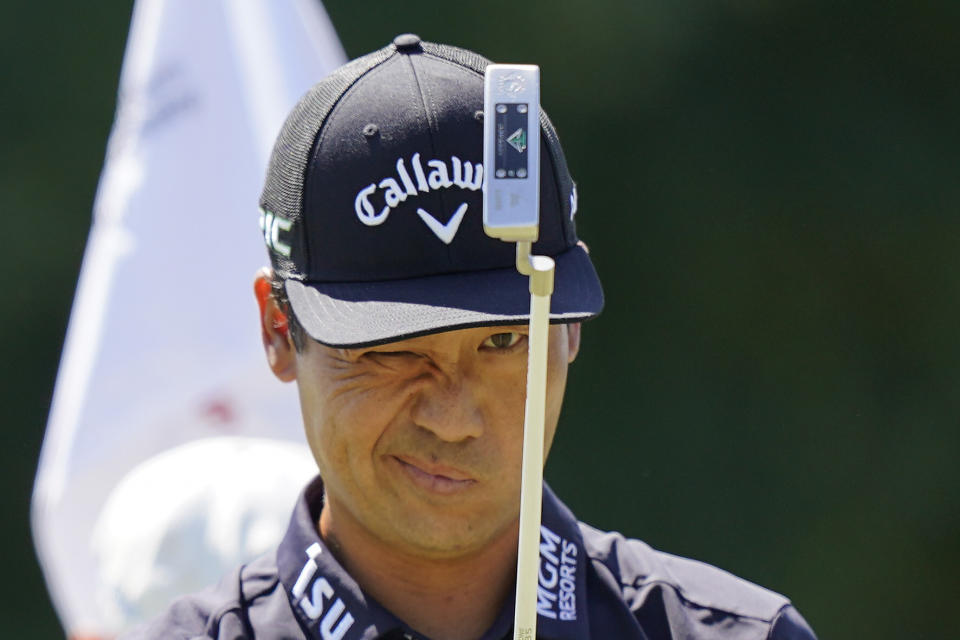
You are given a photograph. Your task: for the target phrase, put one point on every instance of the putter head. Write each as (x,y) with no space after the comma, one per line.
(511,152)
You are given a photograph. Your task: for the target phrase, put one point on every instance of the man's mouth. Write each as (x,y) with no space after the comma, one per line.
(433,477)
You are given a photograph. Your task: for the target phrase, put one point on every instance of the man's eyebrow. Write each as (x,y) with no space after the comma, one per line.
(392,352)
(388,349)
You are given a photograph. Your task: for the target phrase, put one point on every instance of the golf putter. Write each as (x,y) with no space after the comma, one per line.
(511,212)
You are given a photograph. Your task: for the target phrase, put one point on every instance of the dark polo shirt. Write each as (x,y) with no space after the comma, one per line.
(593,584)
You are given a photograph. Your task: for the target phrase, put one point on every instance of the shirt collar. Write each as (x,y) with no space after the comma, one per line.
(331,605)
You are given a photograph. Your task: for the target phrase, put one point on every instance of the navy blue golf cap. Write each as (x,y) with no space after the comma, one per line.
(372,208)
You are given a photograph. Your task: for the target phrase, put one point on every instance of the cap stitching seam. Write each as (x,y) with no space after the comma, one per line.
(430,109)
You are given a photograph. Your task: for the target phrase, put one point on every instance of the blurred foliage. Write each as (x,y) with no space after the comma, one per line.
(769,191)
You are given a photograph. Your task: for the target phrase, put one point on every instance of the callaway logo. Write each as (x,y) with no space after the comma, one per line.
(436,175)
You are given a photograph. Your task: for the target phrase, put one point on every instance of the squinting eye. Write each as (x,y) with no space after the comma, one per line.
(503,340)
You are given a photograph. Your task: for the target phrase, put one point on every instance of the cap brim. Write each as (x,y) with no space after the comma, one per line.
(359,314)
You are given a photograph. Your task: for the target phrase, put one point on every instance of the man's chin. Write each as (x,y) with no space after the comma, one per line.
(442,537)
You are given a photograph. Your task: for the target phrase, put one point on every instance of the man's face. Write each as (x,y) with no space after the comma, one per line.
(419,442)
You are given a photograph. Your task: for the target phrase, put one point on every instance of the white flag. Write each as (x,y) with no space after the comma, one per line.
(163,344)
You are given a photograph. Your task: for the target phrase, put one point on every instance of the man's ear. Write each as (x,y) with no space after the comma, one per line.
(573,341)
(274,329)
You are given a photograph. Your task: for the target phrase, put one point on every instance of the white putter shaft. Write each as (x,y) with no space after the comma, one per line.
(540,270)
(511,212)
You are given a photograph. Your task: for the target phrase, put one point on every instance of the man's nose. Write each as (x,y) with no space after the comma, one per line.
(449,407)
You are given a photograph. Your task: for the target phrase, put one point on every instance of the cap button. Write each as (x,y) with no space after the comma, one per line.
(407,42)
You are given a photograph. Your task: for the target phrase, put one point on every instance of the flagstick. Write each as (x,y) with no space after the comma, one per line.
(540,270)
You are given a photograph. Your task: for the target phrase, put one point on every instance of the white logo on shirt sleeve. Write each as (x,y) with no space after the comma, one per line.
(337,620)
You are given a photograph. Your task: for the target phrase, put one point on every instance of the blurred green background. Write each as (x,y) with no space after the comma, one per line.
(770,191)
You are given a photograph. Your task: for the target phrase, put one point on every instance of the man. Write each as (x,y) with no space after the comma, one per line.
(403,326)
